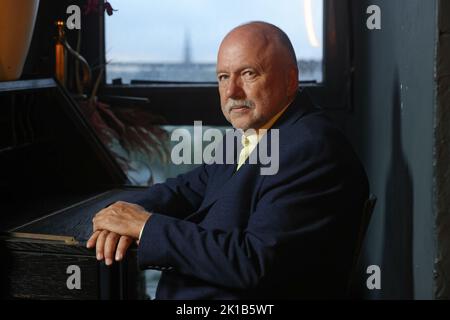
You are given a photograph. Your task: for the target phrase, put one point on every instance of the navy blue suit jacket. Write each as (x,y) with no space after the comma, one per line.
(221,234)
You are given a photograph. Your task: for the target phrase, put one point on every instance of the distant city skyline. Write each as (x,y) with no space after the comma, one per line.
(310,70)
(190,31)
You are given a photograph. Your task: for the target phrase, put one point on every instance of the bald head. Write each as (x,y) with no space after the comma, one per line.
(257,74)
(267,36)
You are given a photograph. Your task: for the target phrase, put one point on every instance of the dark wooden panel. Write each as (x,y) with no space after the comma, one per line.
(34,275)
(37,269)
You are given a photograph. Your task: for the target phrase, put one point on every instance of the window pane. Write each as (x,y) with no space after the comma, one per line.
(177,40)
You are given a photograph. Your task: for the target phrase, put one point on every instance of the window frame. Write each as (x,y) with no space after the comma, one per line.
(169,98)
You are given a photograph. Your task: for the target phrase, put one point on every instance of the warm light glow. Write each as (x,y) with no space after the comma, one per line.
(309,24)
(60,61)
(60,23)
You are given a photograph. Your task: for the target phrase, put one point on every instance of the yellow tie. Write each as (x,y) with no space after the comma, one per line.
(245,152)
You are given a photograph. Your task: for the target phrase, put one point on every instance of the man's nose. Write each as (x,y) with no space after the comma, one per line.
(234,89)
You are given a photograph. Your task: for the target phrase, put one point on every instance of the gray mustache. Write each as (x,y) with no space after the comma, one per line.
(231,103)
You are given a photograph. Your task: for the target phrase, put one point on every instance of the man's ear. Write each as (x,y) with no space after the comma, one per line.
(292,81)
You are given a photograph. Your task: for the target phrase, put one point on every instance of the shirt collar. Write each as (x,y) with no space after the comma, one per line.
(254,137)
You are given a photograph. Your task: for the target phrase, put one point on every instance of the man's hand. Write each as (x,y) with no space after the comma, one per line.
(109,245)
(123,218)
(115,229)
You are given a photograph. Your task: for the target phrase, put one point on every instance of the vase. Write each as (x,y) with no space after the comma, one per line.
(17,19)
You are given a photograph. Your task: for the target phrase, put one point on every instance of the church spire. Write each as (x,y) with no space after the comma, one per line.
(187,47)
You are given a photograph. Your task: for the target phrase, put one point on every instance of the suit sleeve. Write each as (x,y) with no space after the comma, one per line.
(177,197)
(296,208)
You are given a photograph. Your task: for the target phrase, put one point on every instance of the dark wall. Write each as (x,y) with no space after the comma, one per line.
(442,154)
(392,129)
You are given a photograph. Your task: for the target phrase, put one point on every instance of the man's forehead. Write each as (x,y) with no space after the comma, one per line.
(239,59)
(242,51)
(245,37)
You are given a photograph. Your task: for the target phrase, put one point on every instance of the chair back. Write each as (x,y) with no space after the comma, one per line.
(368,209)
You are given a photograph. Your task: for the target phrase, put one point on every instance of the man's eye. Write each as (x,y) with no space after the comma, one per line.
(248,74)
(222,77)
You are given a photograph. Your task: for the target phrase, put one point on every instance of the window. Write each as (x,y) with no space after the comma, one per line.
(177,40)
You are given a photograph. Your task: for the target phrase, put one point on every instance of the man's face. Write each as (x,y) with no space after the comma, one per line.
(253,81)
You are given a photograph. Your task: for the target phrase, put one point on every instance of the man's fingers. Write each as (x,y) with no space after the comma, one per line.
(92,240)
(110,247)
(100,245)
(122,247)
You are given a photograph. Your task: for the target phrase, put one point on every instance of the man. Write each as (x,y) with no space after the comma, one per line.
(224,231)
